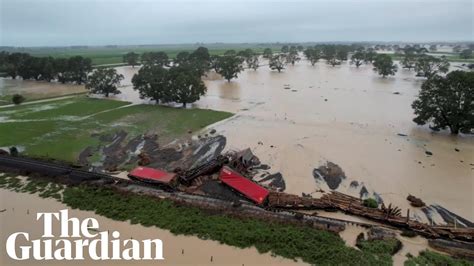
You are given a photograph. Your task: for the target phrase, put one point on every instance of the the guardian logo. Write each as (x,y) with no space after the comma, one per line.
(85,241)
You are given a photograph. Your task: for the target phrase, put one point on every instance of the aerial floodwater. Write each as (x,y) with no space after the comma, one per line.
(300,119)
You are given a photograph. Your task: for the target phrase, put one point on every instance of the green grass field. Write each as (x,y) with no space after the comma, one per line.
(104,55)
(62,129)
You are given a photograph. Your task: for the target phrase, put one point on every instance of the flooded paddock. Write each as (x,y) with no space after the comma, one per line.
(307,115)
(33,90)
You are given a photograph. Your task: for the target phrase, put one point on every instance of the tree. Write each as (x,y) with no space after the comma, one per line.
(292,56)
(201,60)
(18,99)
(153,82)
(409,61)
(433,48)
(330,54)
(358,58)
(300,48)
(104,81)
(77,69)
(229,66)
(447,102)
(186,86)
(370,55)
(277,62)
(267,53)
(384,65)
(285,49)
(155,58)
(342,51)
(427,65)
(313,55)
(131,58)
(250,57)
(466,54)
(253,62)
(182,58)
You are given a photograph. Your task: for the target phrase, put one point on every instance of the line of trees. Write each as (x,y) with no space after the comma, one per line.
(74,69)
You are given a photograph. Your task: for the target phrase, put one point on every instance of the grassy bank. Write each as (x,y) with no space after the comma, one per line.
(295,242)
(62,129)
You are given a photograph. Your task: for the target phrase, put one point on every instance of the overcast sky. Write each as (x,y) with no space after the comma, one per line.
(102,22)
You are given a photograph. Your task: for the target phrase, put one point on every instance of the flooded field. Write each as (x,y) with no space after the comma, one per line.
(20,216)
(299,119)
(33,90)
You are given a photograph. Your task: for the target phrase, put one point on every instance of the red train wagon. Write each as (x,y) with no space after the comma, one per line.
(154,176)
(246,187)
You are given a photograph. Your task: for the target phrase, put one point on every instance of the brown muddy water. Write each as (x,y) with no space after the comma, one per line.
(20,216)
(307,115)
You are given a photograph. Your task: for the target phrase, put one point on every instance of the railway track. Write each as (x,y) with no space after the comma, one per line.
(279,202)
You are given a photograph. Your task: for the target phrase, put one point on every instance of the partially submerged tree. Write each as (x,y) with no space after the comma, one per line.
(104,81)
(229,66)
(131,58)
(153,82)
(358,58)
(313,55)
(447,102)
(292,56)
(427,65)
(370,55)
(277,62)
(250,57)
(267,53)
(384,65)
(285,49)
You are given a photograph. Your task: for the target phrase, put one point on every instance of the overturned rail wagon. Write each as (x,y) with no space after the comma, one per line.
(154,176)
(243,185)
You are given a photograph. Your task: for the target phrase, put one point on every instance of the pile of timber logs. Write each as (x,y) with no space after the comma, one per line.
(355,206)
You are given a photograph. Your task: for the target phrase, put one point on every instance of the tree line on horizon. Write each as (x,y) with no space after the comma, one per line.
(65,70)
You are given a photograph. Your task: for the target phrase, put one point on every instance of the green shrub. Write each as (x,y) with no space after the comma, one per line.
(371,203)
(432,258)
(17,99)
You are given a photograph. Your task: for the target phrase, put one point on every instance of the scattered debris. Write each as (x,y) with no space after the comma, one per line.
(363,193)
(396,93)
(428,153)
(402,135)
(331,173)
(277,182)
(415,202)
(456,149)
(454,248)
(354,184)
(380,233)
